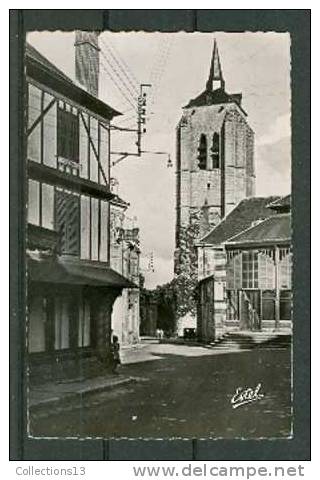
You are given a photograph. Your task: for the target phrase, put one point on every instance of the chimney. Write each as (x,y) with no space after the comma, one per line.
(87,60)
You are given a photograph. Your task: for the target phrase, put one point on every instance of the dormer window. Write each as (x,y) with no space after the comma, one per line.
(202,152)
(215,149)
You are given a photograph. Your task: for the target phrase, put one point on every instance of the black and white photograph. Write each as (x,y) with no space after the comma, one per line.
(158,246)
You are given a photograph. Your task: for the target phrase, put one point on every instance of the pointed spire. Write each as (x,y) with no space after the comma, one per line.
(215,69)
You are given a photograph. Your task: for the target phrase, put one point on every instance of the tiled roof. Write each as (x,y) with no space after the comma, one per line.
(275,229)
(249,210)
(46,73)
(215,97)
(34,54)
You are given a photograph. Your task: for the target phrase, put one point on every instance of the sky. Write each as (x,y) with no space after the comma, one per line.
(177,65)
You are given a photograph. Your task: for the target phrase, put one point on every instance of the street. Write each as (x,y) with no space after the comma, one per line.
(184,391)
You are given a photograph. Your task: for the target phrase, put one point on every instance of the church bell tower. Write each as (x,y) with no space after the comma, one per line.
(214,163)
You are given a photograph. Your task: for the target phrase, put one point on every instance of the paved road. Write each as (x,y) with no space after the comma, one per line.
(184,392)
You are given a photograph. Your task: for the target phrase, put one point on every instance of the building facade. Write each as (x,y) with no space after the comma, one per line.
(125,259)
(71,285)
(214,164)
(247,258)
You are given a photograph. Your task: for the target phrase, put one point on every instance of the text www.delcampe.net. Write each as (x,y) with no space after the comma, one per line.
(207,470)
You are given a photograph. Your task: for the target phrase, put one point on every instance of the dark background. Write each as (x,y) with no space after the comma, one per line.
(297,22)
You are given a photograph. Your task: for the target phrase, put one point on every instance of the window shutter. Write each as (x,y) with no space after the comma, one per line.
(68,135)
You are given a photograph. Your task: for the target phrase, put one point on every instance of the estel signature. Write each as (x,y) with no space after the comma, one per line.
(246,395)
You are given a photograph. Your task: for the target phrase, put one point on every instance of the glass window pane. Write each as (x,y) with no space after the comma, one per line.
(104,232)
(34,110)
(84,324)
(61,324)
(37,318)
(47,206)
(33,202)
(68,135)
(94,228)
(85,227)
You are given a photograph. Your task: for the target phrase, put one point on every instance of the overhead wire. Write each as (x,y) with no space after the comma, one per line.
(122,88)
(124,70)
(124,94)
(119,76)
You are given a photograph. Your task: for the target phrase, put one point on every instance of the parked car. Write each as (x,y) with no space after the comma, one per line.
(189,333)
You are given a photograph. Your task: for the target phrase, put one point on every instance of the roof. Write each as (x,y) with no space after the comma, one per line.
(215,72)
(46,73)
(70,271)
(249,210)
(283,204)
(215,97)
(218,96)
(35,55)
(275,229)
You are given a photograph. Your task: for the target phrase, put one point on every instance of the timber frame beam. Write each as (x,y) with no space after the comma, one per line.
(94,149)
(41,116)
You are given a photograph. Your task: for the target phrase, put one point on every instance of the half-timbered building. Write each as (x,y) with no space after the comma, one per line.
(71,285)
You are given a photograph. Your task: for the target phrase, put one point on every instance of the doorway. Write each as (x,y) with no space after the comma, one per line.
(250,309)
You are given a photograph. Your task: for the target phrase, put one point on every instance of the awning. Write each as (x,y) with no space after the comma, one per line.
(71,271)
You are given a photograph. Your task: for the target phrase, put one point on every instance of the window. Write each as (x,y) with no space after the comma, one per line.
(34,202)
(104,231)
(202,152)
(250,269)
(37,323)
(94,229)
(266,270)
(67,135)
(61,324)
(268,305)
(47,206)
(34,110)
(215,149)
(285,269)
(71,322)
(41,204)
(84,324)
(285,305)
(234,270)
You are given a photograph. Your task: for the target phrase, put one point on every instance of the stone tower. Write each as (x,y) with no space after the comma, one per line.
(214,163)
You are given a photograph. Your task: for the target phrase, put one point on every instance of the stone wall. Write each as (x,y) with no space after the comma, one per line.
(220,189)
